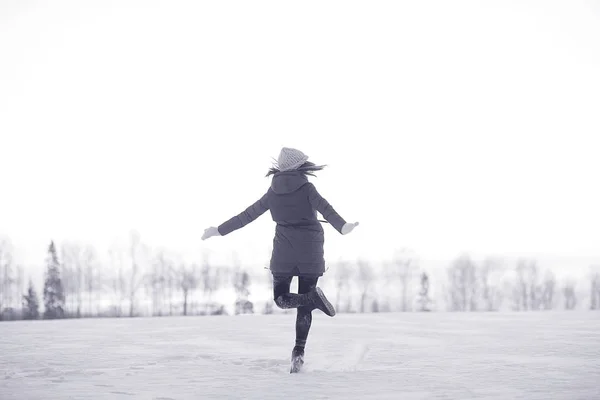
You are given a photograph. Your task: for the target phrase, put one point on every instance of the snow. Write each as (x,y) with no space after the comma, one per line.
(534,355)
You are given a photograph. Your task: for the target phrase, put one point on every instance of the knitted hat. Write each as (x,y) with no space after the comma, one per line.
(290,159)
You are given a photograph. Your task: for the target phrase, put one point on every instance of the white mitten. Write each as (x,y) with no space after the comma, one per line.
(209,232)
(348,226)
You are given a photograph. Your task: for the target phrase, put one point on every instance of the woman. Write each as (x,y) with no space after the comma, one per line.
(299,238)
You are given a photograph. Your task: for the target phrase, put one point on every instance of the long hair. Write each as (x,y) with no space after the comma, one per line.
(308,168)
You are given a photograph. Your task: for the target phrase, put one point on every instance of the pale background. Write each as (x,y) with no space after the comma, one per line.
(447,127)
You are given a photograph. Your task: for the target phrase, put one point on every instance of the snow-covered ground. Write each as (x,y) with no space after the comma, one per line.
(541,355)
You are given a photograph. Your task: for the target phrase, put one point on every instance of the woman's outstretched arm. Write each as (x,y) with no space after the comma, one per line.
(244,218)
(321,205)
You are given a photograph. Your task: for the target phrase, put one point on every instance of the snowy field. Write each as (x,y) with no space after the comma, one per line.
(541,355)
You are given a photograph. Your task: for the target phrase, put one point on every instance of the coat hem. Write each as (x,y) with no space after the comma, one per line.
(288,274)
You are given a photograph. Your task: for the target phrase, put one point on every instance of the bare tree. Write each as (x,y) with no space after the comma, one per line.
(91,274)
(156,281)
(366,277)
(241,284)
(463,285)
(268,308)
(19,281)
(534,287)
(424,299)
(343,272)
(405,267)
(164,281)
(530,292)
(527,292)
(72,275)
(117,281)
(211,280)
(491,291)
(188,282)
(547,298)
(570,295)
(137,251)
(11,282)
(6,275)
(519,290)
(595,288)
(170,284)
(67,279)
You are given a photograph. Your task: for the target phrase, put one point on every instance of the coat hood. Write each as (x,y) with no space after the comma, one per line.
(288,182)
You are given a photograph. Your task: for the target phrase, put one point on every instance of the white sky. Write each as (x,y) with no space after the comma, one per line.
(447,126)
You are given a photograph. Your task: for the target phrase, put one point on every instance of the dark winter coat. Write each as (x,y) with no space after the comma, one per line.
(299,236)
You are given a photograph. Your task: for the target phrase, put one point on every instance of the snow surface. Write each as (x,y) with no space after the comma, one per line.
(534,355)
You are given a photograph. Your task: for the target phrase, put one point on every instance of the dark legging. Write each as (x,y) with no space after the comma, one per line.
(301,301)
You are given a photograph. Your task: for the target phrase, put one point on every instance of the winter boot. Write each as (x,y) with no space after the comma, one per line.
(297,359)
(320,302)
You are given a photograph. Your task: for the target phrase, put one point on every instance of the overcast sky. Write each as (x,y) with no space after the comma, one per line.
(446,126)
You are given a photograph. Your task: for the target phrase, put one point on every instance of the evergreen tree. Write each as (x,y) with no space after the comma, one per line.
(54,295)
(31,305)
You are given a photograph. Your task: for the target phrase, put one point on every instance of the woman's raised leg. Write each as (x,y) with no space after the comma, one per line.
(282,296)
(313,297)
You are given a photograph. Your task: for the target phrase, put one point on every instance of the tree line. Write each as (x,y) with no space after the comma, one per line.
(492,284)
(137,281)
(145,282)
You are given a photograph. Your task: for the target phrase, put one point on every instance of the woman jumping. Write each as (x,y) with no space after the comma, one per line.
(298,243)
